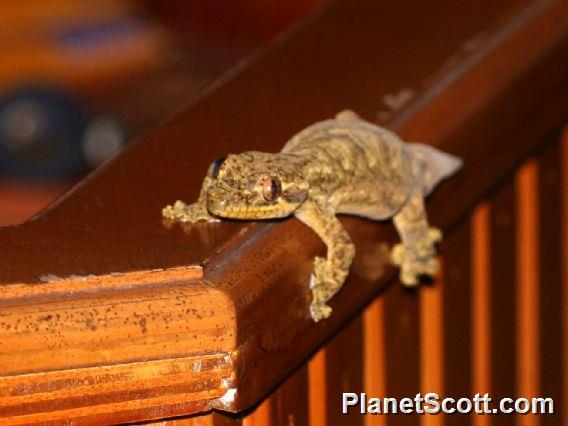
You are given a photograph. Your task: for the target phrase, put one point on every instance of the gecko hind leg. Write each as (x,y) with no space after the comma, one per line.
(415,255)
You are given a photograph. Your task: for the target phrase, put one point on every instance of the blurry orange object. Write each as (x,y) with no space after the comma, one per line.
(76,45)
(19,202)
(63,63)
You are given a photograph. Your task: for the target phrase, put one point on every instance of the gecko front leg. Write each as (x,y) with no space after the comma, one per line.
(416,254)
(191,212)
(330,272)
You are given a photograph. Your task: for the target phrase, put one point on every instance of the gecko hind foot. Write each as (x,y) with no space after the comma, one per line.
(419,260)
(412,269)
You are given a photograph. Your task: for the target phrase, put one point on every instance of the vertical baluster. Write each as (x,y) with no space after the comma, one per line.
(317,389)
(480,304)
(431,338)
(402,339)
(260,416)
(457,311)
(209,419)
(344,372)
(374,357)
(290,400)
(528,294)
(564,230)
(503,292)
(219,419)
(550,263)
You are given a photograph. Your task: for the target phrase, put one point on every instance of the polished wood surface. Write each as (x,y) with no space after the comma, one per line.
(237,291)
(20,201)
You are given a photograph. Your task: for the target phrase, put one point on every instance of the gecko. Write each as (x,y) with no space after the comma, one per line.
(344,165)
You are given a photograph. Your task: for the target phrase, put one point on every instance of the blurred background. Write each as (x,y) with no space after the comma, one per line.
(79,79)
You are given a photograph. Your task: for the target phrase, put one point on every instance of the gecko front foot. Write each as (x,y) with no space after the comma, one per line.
(187,212)
(418,259)
(321,288)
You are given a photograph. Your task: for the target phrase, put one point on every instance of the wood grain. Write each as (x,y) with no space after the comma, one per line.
(251,302)
(123,326)
(154,388)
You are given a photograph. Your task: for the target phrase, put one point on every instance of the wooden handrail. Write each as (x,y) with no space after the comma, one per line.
(108,314)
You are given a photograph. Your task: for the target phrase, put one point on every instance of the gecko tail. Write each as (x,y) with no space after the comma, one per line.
(438,165)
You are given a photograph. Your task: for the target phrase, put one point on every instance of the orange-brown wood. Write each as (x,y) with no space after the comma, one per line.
(344,372)
(480,304)
(124,326)
(317,385)
(209,419)
(290,402)
(564,251)
(225,419)
(503,293)
(374,356)
(528,282)
(550,265)
(457,317)
(260,415)
(251,303)
(123,391)
(19,202)
(431,344)
(402,339)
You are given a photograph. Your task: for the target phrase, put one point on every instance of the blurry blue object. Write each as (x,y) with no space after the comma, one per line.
(40,133)
(101,33)
(64,64)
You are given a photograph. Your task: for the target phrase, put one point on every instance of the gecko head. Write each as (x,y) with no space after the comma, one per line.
(255,185)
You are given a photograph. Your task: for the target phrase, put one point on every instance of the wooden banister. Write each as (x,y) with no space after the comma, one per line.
(109,314)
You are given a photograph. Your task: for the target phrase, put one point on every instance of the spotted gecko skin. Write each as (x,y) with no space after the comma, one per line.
(345,165)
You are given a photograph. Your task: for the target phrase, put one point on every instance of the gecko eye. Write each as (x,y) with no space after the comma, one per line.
(217,165)
(271,189)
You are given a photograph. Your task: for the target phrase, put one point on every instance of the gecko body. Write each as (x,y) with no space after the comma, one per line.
(345,165)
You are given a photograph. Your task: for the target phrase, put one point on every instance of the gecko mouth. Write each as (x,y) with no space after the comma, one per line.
(247,212)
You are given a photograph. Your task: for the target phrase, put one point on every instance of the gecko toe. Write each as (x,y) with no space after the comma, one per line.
(398,254)
(408,278)
(434,235)
(319,311)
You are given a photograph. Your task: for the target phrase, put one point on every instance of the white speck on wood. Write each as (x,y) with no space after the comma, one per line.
(228,398)
(47,278)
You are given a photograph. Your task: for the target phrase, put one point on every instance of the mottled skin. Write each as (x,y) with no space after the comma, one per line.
(345,165)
